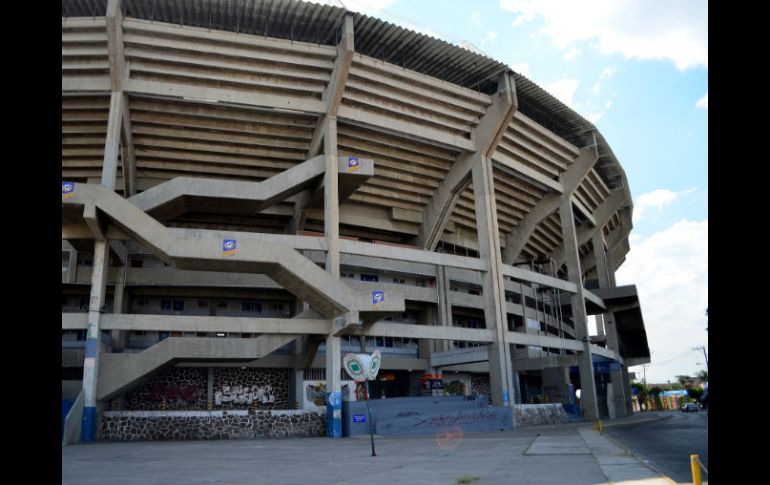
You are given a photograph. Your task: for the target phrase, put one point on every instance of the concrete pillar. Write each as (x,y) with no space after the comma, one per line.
(616,405)
(72,263)
(89,426)
(332,231)
(297,373)
(627,391)
(210,388)
(500,372)
(444,307)
(588,401)
(112,142)
(556,385)
(120,305)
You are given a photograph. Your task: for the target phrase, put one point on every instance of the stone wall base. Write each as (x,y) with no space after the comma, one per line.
(215,425)
(538,414)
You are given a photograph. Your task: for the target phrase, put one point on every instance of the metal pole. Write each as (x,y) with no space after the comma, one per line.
(369,412)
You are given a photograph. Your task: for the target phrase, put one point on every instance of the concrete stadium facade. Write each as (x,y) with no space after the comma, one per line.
(252,189)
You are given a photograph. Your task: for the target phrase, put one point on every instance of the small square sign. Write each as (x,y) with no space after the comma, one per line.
(359,418)
(228,247)
(67,190)
(378,297)
(353,164)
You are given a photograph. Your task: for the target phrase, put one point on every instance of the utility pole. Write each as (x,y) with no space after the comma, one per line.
(705,355)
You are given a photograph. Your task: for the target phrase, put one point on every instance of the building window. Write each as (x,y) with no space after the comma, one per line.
(251,307)
(398,281)
(141,301)
(178,305)
(165,305)
(137,263)
(474,292)
(369,277)
(278,307)
(203,304)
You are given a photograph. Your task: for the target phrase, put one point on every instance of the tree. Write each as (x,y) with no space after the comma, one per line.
(695,393)
(703,375)
(683,380)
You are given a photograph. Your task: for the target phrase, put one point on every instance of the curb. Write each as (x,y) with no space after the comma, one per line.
(633,422)
(643,462)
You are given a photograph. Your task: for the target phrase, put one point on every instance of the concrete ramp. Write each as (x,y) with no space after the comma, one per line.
(204,250)
(190,194)
(119,372)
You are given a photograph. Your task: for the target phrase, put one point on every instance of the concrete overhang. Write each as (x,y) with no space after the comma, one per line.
(623,301)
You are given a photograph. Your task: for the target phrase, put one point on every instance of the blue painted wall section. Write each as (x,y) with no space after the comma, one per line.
(334,415)
(88,429)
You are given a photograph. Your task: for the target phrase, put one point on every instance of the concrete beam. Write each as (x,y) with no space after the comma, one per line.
(112,141)
(545,362)
(570,181)
(332,95)
(602,215)
(190,323)
(459,356)
(485,138)
(127,155)
(97,227)
(114,21)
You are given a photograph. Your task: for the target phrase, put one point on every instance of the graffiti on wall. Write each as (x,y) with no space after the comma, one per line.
(315,391)
(244,395)
(172,394)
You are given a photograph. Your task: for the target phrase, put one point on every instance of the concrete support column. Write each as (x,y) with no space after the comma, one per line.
(627,391)
(444,307)
(89,426)
(617,404)
(332,231)
(500,372)
(120,305)
(112,142)
(588,401)
(72,262)
(297,374)
(425,345)
(210,388)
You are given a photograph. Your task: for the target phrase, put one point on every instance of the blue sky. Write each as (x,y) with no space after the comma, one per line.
(637,69)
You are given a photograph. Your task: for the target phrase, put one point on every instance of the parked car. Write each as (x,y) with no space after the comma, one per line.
(690,407)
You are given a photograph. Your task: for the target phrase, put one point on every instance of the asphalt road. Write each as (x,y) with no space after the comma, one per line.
(668,444)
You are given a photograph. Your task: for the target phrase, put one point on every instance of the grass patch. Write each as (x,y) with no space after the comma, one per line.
(466,479)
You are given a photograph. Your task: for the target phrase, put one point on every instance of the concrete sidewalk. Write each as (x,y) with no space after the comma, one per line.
(556,456)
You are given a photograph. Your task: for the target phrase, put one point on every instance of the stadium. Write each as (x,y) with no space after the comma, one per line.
(253,189)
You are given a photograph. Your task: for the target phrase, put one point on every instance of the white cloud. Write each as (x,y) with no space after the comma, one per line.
(522,68)
(572,53)
(490,37)
(608,104)
(594,117)
(703,102)
(656,199)
(564,90)
(670,271)
(637,29)
(605,74)
(476,19)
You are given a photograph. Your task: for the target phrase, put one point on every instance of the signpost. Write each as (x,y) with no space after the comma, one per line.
(363,368)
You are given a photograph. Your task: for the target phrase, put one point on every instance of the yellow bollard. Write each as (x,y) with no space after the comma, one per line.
(600,426)
(695,465)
